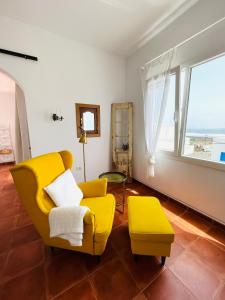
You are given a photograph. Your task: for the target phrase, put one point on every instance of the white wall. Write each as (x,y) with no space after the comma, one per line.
(67,72)
(199,187)
(7,105)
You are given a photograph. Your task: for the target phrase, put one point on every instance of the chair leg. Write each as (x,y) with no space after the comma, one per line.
(163,260)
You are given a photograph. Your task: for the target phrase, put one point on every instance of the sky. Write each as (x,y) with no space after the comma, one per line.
(206,108)
(207,95)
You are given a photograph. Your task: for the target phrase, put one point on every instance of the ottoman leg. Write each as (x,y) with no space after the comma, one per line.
(163,260)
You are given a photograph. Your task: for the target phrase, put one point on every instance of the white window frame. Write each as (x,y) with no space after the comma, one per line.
(176,72)
(181,118)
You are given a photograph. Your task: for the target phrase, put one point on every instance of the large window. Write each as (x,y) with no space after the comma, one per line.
(194,122)
(205,125)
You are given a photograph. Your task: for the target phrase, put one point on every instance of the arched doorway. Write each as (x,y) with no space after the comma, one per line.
(14,134)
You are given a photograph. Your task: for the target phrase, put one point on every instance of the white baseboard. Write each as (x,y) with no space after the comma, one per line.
(184,203)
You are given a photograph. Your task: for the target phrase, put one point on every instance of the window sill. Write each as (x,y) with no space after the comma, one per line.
(194,161)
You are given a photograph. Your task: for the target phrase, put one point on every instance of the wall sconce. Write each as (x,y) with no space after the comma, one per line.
(55,117)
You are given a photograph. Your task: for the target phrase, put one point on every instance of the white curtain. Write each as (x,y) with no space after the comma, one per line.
(155,83)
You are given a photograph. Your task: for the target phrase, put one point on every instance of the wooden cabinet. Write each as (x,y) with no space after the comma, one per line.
(122,138)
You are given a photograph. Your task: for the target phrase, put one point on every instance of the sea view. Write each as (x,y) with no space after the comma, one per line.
(206,144)
(204,131)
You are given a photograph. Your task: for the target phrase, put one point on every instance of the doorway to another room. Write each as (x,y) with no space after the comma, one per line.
(14,136)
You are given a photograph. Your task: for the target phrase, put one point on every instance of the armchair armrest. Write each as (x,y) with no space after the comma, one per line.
(89,218)
(94,188)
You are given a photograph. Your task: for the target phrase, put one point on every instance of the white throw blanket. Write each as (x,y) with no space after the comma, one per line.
(67,223)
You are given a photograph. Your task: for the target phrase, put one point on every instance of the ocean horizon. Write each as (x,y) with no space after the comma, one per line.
(206,131)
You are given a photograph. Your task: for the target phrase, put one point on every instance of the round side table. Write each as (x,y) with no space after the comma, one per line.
(116,177)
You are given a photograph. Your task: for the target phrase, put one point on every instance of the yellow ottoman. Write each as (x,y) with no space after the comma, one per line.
(150,231)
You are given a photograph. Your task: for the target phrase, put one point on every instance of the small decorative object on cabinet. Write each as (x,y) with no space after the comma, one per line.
(6,149)
(122,132)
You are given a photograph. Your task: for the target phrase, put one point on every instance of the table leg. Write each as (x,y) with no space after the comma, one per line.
(124,194)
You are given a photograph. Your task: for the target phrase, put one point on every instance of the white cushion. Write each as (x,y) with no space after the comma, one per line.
(64,191)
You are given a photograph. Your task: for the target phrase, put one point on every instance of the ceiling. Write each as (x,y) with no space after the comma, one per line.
(117,26)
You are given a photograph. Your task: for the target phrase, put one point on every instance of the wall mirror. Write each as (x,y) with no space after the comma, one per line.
(88,119)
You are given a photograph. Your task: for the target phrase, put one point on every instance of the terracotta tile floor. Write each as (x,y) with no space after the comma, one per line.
(30,271)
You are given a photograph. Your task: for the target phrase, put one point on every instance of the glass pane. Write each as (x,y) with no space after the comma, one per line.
(88,121)
(205,128)
(121,127)
(166,140)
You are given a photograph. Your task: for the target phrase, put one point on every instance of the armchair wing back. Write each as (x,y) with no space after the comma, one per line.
(30,177)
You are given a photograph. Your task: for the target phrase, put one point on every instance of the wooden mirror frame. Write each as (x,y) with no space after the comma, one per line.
(80,110)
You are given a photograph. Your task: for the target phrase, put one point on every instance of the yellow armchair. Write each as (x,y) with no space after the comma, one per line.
(30,177)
